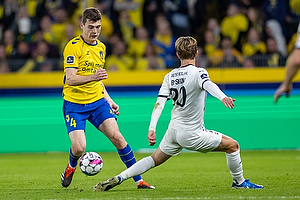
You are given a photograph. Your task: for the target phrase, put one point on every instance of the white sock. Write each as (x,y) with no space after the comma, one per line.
(235,166)
(138,168)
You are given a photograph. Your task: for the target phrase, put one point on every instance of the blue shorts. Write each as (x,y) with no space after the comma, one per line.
(76,114)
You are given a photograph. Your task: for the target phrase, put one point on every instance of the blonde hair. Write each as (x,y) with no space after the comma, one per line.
(186,47)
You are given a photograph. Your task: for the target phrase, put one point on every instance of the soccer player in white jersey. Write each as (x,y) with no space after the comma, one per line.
(187,86)
(292,66)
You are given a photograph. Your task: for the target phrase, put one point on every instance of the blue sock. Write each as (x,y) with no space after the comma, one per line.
(73,159)
(128,159)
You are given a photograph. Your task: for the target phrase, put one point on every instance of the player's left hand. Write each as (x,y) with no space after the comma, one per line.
(151,137)
(228,102)
(115,108)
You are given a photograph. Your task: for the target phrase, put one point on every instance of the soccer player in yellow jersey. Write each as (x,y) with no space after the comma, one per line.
(85,97)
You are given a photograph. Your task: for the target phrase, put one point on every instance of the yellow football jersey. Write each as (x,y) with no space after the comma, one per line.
(86,58)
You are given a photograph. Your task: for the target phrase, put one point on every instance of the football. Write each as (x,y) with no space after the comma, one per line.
(91,163)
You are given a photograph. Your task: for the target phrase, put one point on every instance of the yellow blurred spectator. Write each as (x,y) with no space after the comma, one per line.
(274,58)
(69,34)
(210,43)
(134,9)
(227,55)
(31,7)
(119,60)
(127,27)
(256,19)
(46,29)
(9,40)
(59,25)
(214,26)
(234,25)
(151,61)
(106,24)
(137,45)
(164,41)
(253,45)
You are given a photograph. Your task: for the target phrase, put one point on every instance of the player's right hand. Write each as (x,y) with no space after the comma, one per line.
(151,137)
(100,74)
(283,88)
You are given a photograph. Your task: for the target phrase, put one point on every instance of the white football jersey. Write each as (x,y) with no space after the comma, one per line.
(185,86)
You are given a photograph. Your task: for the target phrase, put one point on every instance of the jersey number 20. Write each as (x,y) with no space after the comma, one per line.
(179,97)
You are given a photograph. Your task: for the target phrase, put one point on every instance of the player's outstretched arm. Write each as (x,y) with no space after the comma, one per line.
(228,102)
(151,137)
(284,88)
(214,90)
(158,107)
(292,66)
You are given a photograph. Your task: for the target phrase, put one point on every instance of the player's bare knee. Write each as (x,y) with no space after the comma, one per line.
(234,146)
(78,150)
(157,160)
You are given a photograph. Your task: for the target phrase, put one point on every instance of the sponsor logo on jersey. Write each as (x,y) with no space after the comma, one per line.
(92,64)
(87,52)
(70,60)
(91,67)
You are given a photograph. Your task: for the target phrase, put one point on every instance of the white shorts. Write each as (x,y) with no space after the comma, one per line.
(201,140)
(297,44)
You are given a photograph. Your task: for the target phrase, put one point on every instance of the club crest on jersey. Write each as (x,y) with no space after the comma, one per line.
(101,55)
(70,59)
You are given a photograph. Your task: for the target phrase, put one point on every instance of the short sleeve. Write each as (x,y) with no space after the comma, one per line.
(70,56)
(165,87)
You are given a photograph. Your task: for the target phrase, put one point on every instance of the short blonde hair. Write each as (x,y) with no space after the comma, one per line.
(186,47)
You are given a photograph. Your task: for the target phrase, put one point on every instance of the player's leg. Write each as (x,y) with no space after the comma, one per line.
(234,163)
(111,130)
(104,119)
(78,141)
(75,123)
(143,165)
(292,66)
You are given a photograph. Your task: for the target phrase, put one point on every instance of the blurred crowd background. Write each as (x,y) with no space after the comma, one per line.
(141,34)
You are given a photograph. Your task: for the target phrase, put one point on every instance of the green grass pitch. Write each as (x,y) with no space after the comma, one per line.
(187,176)
(26,125)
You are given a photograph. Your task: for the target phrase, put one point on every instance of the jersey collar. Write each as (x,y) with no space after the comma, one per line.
(185,65)
(88,43)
